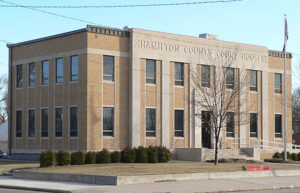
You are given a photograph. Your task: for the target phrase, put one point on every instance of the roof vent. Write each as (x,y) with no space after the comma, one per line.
(208,36)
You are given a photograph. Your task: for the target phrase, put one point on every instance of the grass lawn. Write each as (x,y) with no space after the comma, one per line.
(123,169)
(8,165)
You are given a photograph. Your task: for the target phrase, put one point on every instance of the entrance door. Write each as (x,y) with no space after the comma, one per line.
(206,129)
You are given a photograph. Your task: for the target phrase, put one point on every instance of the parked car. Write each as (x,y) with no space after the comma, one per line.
(2,154)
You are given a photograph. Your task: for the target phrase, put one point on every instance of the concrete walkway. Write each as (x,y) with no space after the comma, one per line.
(178,186)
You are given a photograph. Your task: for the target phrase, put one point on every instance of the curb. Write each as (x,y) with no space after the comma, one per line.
(248,189)
(34,189)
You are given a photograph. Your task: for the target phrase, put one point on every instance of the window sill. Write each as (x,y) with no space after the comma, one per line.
(253,91)
(44,85)
(108,137)
(73,82)
(150,84)
(178,86)
(59,83)
(31,86)
(179,137)
(58,137)
(73,137)
(150,137)
(31,138)
(44,137)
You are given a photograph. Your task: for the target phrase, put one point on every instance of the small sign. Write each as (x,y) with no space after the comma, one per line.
(257,168)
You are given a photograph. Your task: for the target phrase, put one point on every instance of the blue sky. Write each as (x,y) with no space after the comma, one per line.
(257,22)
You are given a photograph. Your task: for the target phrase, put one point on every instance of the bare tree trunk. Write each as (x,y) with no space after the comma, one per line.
(216,152)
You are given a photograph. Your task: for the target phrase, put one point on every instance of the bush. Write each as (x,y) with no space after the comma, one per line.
(141,155)
(77,158)
(277,155)
(128,155)
(298,156)
(103,157)
(47,159)
(164,154)
(294,156)
(115,157)
(152,154)
(289,155)
(90,157)
(63,158)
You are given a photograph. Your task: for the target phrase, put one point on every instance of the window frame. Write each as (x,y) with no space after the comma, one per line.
(253,134)
(42,128)
(31,130)
(113,67)
(74,77)
(278,135)
(55,122)
(183,122)
(251,87)
(21,124)
(148,79)
(233,125)
(73,132)
(179,82)
(230,84)
(207,83)
(31,82)
(112,131)
(45,81)
(19,82)
(148,131)
(56,72)
(278,90)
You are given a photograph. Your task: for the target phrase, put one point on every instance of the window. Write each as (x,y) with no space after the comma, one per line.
(32,74)
(45,74)
(108,121)
(19,76)
(278,83)
(150,71)
(73,121)
(59,70)
(278,126)
(18,123)
(74,68)
(108,68)
(253,80)
(229,75)
(205,76)
(179,124)
(253,125)
(179,74)
(58,122)
(150,122)
(31,123)
(230,124)
(44,122)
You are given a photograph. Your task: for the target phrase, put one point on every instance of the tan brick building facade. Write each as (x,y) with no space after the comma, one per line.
(63,96)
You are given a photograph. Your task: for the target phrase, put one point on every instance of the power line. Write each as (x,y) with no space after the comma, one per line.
(120,6)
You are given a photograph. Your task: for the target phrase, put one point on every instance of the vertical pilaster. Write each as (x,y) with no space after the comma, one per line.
(265,110)
(243,107)
(165,110)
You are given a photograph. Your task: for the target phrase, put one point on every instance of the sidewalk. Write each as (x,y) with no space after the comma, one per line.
(215,185)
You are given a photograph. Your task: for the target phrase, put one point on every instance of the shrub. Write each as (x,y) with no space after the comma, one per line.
(298,156)
(77,158)
(63,158)
(276,155)
(90,157)
(47,159)
(128,155)
(141,155)
(164,154)
(103,157)
(294,156)
(115,157)
(152,154)
(289,155)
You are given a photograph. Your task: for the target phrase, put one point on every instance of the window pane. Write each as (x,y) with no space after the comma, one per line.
(58,122)
(74,68)
(253,124)
(179,73)
(253,80)
(108,68)
(179,124)
(150,122)
(108,121)
(205,75)
(150,71)
(19,124)
(45,75)
(31,123)
(73,121)
(278,126)
(59,70)
(32,74)
(277,83)
(44,122)
(229,78)
(230,124)
(19,75)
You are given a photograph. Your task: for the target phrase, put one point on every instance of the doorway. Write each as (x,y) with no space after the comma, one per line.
(206,129)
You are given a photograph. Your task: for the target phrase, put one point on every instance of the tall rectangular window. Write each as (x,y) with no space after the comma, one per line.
(278,126)
(73,121)
(108,68)
(229,75)
(150,71)
(19,76)
(179,123)
(230,124)
(74,68)
(44,122)
(59,70)
(253,125)
(108,121)
(45,72)
(31,123)
(18,123)
(278,83)
(205,76)
(179,73)
(150,122)
(32,74)
(253,80)
(58,122)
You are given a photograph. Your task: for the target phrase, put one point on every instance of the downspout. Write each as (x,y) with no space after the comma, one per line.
(10,100)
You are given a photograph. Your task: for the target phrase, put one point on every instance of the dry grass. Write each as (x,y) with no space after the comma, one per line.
(7,165)
(122,169)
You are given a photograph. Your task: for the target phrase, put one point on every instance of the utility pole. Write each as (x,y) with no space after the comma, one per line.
(285,115)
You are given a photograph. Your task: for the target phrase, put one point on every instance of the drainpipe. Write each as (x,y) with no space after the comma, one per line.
(9,98)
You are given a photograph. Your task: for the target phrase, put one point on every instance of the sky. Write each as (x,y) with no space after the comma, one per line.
(258,22)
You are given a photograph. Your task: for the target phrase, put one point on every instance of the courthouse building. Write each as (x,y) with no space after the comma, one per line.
(110,88)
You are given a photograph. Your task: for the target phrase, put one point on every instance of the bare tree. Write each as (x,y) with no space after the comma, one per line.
(3,99)
(217,92)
